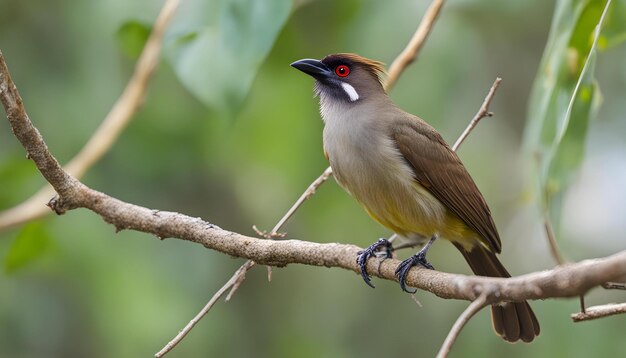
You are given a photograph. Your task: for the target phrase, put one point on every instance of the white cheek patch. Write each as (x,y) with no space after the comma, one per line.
(350,91)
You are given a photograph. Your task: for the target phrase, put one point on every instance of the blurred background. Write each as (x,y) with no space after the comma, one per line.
(235,137)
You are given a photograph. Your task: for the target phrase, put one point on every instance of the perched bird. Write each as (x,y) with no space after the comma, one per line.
(407,178)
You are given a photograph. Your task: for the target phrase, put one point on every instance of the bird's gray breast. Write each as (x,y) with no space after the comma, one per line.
(364,159)
(367,163)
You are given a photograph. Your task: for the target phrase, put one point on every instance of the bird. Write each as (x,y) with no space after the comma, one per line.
(407,178)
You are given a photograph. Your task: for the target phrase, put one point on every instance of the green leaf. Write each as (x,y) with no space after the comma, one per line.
(614,31)
(132,37)
(31,243)
(558,117)
(217,57)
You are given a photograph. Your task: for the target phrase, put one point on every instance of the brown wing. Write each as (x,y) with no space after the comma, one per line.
(440,171)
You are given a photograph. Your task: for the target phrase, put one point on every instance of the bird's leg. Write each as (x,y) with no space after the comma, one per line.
(388,252)
(418,259)
(392,238)
(372,250)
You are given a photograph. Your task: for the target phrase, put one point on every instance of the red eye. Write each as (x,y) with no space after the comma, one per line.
(342,70)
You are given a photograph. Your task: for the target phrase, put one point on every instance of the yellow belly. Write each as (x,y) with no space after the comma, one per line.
(377,176)
(410,209)
(452,228)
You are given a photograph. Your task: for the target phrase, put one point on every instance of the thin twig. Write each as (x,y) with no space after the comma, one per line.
(417,302)
(240,275)
(109,130)
(583,309)
(556,252)
(581,302)
(469,312)
(482,113)
(614,286)
(410,52)
(308,193)
(407,245)
(274,233)
(554,246)
(171,344)
(595,312)
(268,235)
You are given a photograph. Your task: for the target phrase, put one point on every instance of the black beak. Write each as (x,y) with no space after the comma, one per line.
(314,68)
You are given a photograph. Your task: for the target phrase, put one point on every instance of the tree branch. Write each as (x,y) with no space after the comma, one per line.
(554,247)
(483,112)
(233,281)
(469,312)
(602,311)
(308,193)
(410,52)
(563,281)
(614,286)
(111,127)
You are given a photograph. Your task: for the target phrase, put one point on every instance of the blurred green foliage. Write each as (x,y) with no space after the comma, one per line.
(31,242)
(557,124)
(231,133)
(132,36)
(217,59)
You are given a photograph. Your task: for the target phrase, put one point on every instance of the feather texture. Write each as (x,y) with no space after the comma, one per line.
(438,169)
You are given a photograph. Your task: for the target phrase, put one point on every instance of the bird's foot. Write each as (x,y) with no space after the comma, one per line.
(418,259)
(372,250)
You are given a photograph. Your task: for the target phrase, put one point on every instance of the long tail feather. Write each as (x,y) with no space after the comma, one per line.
(511,320)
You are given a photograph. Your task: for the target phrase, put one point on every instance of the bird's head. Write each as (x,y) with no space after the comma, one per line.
(344,77)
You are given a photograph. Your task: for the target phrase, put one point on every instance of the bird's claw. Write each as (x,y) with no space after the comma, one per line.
(372,250)
(403,269)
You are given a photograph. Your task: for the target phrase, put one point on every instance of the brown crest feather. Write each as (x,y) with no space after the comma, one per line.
(376,68)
